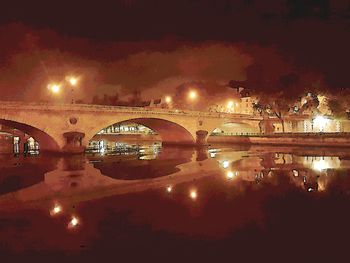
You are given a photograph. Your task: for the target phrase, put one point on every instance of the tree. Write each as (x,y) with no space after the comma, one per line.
(339,104)
(277,104)
(95,99)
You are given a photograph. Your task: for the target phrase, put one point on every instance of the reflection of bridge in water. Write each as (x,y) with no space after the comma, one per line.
(76,180)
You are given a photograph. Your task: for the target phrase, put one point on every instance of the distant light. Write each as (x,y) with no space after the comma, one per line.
(310,189)
(320,122)
(168,99)
(229,175)
(56,210)
(230,104)
(169,189)
(212,155)
(193,194)
(192,95)
(225,164)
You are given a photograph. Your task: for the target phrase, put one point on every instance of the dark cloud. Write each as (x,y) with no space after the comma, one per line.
(157,46)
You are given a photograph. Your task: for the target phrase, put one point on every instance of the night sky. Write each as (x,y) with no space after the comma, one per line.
(155,46)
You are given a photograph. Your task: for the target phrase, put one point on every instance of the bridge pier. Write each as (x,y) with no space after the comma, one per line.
(73,142)
(201,137)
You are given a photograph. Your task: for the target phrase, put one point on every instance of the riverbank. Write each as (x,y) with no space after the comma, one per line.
(302,139)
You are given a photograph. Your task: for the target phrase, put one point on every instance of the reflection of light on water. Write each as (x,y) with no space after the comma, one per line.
(148,157)
(193,194)
(320,165)
(321,186)
(225,164)
(295,173)
(73,222)
(56,210)
(212,150)
(229,175)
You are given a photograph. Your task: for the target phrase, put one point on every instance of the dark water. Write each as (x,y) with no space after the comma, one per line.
(217,204)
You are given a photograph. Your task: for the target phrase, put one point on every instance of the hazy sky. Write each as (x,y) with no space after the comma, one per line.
(155,45)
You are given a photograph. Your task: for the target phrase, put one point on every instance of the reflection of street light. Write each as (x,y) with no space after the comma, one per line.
(225,164)
(73,222)
(193,194)
(56,210)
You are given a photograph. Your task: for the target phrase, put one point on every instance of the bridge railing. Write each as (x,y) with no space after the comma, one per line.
(91,107)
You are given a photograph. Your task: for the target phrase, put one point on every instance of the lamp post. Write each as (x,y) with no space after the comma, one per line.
(192,96)
(73,81)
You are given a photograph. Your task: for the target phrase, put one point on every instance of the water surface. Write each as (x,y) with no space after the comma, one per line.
(172,203)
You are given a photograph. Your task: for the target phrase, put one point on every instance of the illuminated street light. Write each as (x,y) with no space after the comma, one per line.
(73,81)
(320,122)
(230,104)
(192,95)
(169,189)
(54,88)
(168,99)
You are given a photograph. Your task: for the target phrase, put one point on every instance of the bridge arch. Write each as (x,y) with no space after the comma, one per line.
(169,131)
(235,128)
(46,142)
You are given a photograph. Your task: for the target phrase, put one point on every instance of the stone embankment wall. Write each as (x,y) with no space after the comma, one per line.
(335,140)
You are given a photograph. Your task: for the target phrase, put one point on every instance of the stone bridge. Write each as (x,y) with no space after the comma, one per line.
(69,127)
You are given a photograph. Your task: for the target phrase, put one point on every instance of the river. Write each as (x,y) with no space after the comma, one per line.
(174,203)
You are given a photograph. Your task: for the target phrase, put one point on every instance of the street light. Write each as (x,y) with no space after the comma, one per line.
(168,99)
(192,94)
(73,81)
(320,122)
(54,88)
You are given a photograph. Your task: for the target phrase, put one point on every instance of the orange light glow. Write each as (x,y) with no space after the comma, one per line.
(168,99)
(55,88)
(192,95)
(56,210)
(73,81)
(74,222)
(193,194)
(229,175)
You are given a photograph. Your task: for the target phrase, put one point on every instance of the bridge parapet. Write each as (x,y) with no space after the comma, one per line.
(106,108)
